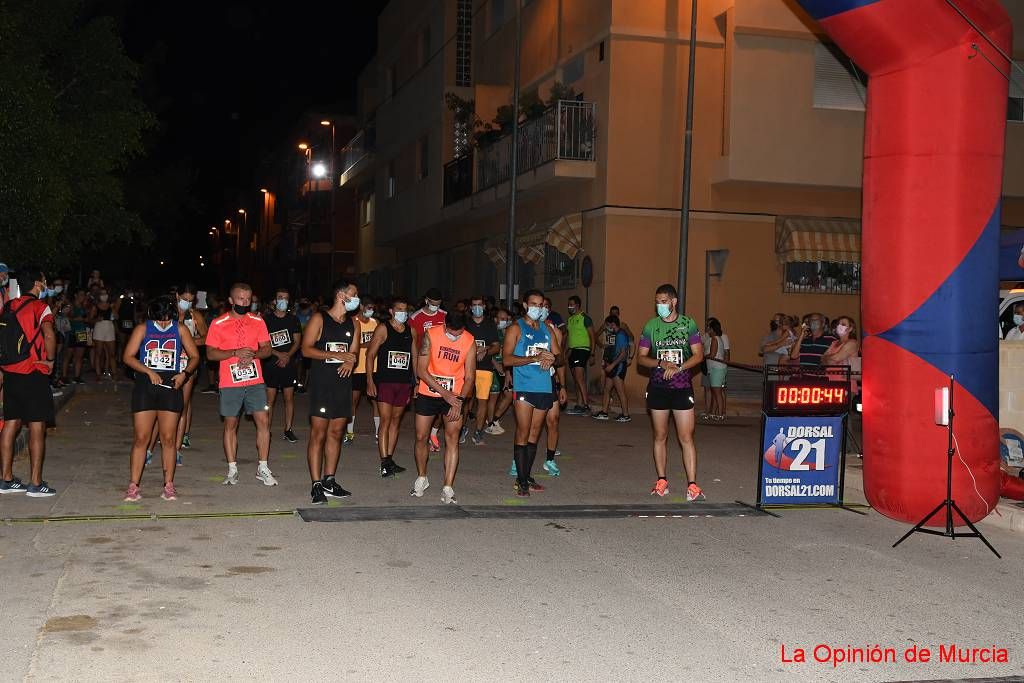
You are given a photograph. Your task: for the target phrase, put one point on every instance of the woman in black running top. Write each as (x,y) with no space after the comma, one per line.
(389,379)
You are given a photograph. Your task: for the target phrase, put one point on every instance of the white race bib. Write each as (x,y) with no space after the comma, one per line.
(161,359)
(674,356)
(280,338)
(447,383)
(398,360)
(240,374)
(335,347)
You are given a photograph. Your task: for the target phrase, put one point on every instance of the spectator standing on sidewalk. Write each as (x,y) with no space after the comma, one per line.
(718,357)
(27,396)
(812,342)
(580,330)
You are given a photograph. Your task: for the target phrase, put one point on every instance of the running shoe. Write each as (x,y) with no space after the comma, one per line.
(78,380)
(179,460)
(55,392)
(600,415)
(463,434)
(186,442)
(332,489)
(133,495)
(231,479)
(419,486)
(534,486)
(41,491)
(169,492)
(694,492)
(386,469)
(494,429)
(149,456)
(349,437)
(317,494)
(623,418)
(448,496)
(551,468)
(12,486)
(576,410)
(558,453)
(704,417)
(266,476)
(396,467)
(290,437)
(522,490)
(660,488)
(512,471)
(478,438)
(435,443)
(300,389)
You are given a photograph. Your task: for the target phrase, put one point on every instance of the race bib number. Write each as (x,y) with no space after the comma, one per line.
(398,360)
(161,359)
(126,324)
(609,340)
(481,344)
(446,383)
(280,338)
(240,374)
(674,356)
(335,347)
(535,349)
(184,362)
(366,337)
(82,337)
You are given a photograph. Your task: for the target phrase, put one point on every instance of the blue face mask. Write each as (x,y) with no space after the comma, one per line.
(281,304)
(184,305)
(401,316)
(664,310)
(544,313)
(352,304)
(477,311)
(533,312)
(502,324)
(1018,320)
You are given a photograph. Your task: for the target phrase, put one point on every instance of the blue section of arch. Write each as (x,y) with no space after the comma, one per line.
(955,328)
(823,9)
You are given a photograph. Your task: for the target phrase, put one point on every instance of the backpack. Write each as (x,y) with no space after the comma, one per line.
(15,346)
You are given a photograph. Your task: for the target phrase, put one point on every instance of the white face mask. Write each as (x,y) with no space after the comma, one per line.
(433,308)
(842,329)
(352,304)
(401,316)
(502,324)
(281,304)
(367,313)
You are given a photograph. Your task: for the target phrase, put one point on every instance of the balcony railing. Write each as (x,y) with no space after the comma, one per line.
(358,147)
(566,131)
(458,179)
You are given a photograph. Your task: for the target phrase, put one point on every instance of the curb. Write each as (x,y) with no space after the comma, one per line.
(21,443)
(1006,515)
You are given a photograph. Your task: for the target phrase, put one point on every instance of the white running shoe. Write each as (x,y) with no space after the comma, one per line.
(231,479)
(266,476)
(419,486)
(448,496)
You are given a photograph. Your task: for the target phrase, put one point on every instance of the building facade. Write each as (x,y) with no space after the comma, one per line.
(776,168)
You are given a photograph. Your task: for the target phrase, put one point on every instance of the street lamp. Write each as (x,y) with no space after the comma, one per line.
(303,146)
(319,170)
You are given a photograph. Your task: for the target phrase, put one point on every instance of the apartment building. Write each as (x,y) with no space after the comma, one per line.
(777,145)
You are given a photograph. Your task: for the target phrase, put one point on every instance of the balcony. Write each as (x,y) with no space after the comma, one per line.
(357,154)
(458,179)
(565,132)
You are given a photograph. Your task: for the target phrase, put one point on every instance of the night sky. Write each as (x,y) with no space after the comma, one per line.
(230,81)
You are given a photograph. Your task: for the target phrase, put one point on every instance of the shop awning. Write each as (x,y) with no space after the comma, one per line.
(566,234)
(530,243)
(495,252)
(817,239)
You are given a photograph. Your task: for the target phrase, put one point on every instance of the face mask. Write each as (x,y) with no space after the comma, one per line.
(281,304)
(544,313)
(1018,320)
(368,313)
(184,305)
(104,297)
(352,304)
(609,330)
(572,309)
(401,316)
(432,308)
(45,293)
(240,310)
(58,289)
(533,312)
(162,327)
(477,311)
(815,326)
(502,324)
(453,337)
(664,310)
(842,329)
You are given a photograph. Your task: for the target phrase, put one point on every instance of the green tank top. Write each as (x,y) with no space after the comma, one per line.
(578,337)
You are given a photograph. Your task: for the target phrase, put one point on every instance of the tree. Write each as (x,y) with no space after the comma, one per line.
(70,121)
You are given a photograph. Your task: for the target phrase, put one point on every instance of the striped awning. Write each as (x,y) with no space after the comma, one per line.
(495,252)
(530,243)
(566,234)
(799,238)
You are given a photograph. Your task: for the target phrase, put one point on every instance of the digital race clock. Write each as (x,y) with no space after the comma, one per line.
(809,398)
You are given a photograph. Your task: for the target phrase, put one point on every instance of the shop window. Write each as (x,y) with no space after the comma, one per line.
(822,277)
(559,269)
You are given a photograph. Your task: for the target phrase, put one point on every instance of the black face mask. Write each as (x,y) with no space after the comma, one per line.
(774,325)
(240,310)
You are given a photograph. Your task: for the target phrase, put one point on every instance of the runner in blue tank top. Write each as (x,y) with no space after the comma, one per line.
(530,350)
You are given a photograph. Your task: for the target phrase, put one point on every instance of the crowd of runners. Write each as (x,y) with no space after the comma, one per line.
(459,371)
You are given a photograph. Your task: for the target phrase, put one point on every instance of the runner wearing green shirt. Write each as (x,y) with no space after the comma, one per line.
(580,332)
(670,346)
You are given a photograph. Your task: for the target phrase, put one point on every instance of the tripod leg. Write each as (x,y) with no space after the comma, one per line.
(975,530)
(920,524)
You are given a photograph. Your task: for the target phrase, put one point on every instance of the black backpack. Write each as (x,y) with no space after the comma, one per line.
(15,346)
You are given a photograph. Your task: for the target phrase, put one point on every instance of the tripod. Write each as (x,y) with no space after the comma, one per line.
(949,504)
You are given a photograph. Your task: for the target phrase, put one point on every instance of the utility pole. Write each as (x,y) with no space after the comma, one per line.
(510,249)
(684,211)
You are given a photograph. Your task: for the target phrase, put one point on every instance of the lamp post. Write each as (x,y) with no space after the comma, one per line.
(238,241)
(684,209)
(332,170)
(308,151)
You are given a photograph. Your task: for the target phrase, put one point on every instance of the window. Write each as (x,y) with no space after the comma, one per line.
(423,155)
(572,71)
(424,46)
(1015,108)
(559,269)
(499,14)
(366,208)
(822,277)
(390,85)
(838,83)
(464,43)
(392,180)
